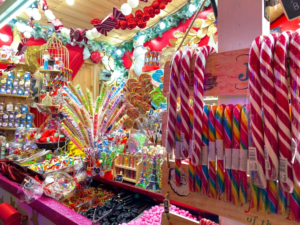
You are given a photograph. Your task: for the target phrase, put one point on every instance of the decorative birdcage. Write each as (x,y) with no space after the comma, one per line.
(56,49)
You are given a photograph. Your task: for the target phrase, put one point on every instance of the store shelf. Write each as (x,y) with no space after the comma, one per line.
(15,96)
(125,167)
(8,62)
(129,179)
(50,71)
(7,128)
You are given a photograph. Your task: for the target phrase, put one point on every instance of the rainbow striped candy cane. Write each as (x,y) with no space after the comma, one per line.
(220,147)
(228,146)
(178,149)
(192,168)
(212,151)
(236,126)
(204,151)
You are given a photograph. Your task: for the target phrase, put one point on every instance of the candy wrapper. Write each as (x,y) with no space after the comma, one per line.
(31,190)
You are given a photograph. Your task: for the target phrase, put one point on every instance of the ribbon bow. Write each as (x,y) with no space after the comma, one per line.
(83,35)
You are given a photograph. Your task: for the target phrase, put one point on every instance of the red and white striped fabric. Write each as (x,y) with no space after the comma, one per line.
(173,92)
(198,101)
(294,53)
(282,102)
(269,106)
(256,112)
(184,101)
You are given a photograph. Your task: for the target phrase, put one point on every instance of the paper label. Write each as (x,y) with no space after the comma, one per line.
(227,158)
(253,165)
(182,141)
(212,152)
(178,150)
(243,160)
(220,149)
(283,169)
(267,162)
(204,156)
(235,159)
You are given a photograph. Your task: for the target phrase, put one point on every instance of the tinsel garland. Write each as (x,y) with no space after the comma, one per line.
(151,33)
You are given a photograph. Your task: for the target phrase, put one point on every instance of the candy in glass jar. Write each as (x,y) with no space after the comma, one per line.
(24,109)
(20,134)
(5,116)
(9,107)
(17,108)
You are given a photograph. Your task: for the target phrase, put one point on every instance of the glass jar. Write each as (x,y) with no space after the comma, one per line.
(24,109)
(17,108)
(9,107)
(5,116)
(16,83)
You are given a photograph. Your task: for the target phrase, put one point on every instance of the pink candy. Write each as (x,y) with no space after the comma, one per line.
(153,216)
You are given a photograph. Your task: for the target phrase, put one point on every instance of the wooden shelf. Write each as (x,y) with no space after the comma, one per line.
(8,62)
(15,96)
(125,167)
(7,128)
(50,71)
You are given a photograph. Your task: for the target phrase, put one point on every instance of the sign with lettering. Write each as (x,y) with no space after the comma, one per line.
(225,74)
(291,8)
(119,178)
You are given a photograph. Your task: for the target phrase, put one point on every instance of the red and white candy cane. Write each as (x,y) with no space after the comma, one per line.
(256,112)
(295,88)
(282,102)
(198,100)
(173,92)
(269,105)
(184,101)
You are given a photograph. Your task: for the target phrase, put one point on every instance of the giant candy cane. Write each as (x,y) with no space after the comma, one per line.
(198,108)
(184,101)
(175,70)
(270,125)
(283,119)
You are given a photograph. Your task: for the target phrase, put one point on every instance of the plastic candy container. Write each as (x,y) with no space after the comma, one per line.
(27,76)
(20,135)
(59,186)
(9,91)
(9,83)
(24,109)
(11,75)
(32,190)
(2,90)
(21,91)
(14,91)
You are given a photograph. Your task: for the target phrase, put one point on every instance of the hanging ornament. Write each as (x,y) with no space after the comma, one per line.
(95,21)
(146,9)
(21,27)
(118,15)
(126,9)
(146,17)
(169,0)
(141,24)
(96,57)
(22,47)
(95,33)
(152,15)
(76,35)
(155,4)
(118,25)
(123,24)
(150,10)
(131,24)
(160,1)
(133,3)
(139,14)
(36,14)
(106,25)
(89,35)
(86,35)
(56,24)
(162,5)
(44,5)
(128,17)
(27,35)
(28,29)
(156,11)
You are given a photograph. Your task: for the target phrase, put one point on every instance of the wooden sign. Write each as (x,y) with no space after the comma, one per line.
(225,74)
(291,8)
(241,213)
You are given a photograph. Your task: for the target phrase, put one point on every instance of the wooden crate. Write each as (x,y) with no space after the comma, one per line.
(241,213)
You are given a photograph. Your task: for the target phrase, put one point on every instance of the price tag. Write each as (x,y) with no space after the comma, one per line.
(283,169)
(253,164)
(212,152)
(227,158)
(243,160)
(291,8)
(220,149)
(235,159)
(267,162)
(166,205)
(204,156)
(119,178)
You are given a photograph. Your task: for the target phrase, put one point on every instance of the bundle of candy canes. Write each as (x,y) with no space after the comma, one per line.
(215,138)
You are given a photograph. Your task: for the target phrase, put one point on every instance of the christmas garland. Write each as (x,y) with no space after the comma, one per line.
(150,33)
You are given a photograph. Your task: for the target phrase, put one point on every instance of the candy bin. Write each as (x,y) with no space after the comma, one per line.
(15,148)
(59,186)
(20,135)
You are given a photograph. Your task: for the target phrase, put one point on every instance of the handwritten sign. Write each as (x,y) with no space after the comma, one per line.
(119,178)
(225,74)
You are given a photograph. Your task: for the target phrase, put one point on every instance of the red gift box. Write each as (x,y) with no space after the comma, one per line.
(10,216)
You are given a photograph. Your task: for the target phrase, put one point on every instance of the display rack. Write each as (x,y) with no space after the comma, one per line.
(9,62)
(50,71)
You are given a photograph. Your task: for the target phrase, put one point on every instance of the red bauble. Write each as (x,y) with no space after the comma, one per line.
(156,11)
(131,24)
(139,14)
(146,9)
(141,24)
(152,15)
(165,1)
(155,4)
(169,0)
(162,5)
(150,10)
(118,25)
(146,17)
(160,0)
(123,24)
(95,57)
(130,16)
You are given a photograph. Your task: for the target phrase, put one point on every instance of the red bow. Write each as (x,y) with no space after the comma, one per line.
(22,47)
(10,67)
(57,25)
(44,5)
(95,21)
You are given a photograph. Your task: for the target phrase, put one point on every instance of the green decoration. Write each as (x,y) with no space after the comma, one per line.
(151,33)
